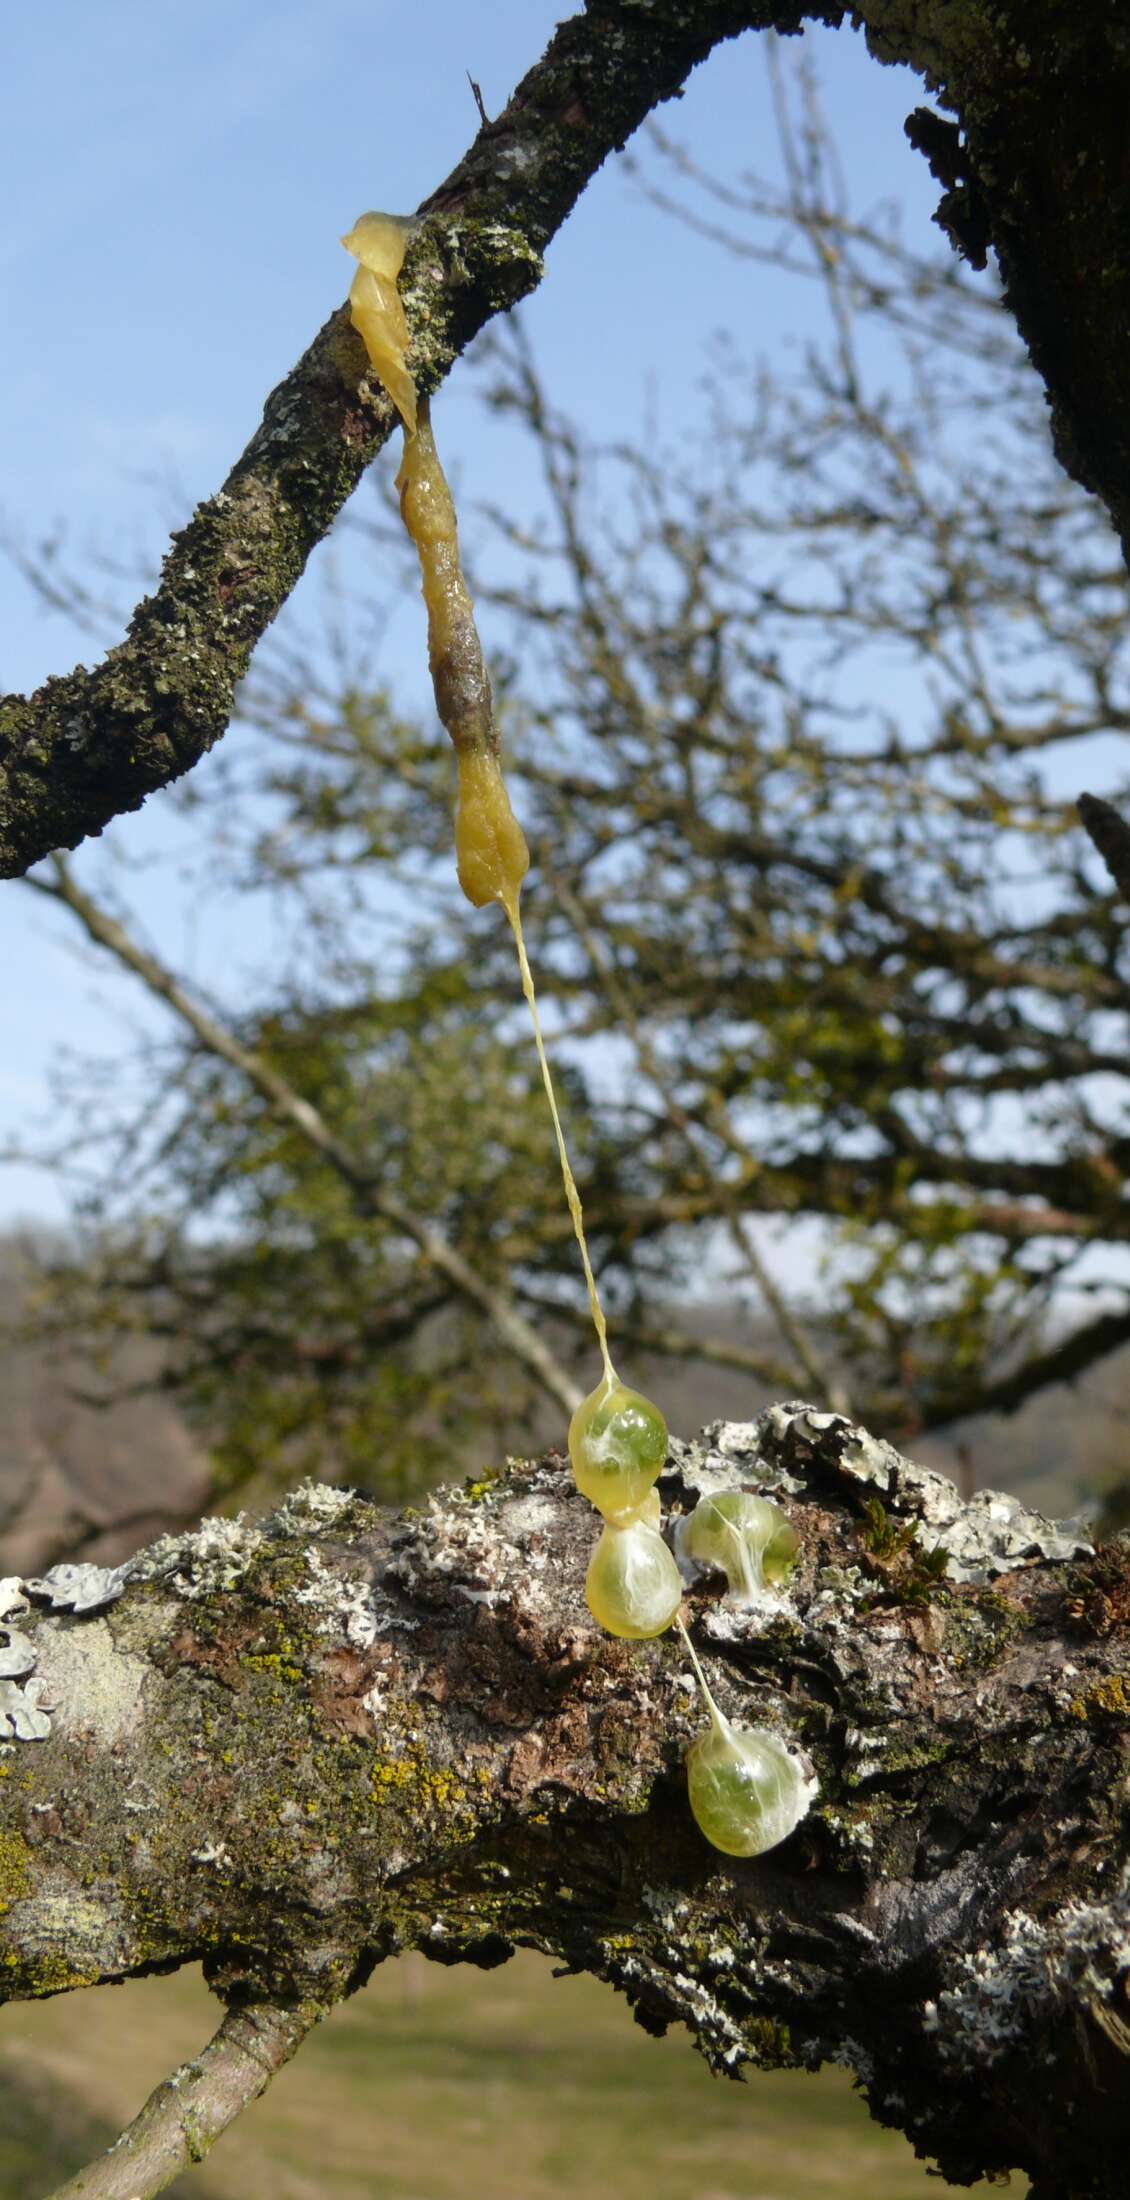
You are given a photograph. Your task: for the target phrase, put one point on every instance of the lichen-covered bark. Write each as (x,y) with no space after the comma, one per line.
(296,1749)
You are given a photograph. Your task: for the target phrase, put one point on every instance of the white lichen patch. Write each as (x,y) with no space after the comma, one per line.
(80,1588)
(710,2021)
(211,1852)
(24,1712)
(1043,1968)
(94,1686)
(838,1591)
(336,1601)
(531,1515)
(17,1653)
(86,1931)
(728,1454)
(469,1548)
(311,1505)
(989,1534)
(12,1598)
(212,1557)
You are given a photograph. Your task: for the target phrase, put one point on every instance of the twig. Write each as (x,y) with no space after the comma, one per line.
(828,1387)
(1111,836)
(521,1339)
(186,2114)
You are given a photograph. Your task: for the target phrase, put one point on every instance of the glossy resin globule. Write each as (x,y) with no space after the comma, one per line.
(747,1538)
(746,1793)
(617,1444)
(746,1790)
(632,1586)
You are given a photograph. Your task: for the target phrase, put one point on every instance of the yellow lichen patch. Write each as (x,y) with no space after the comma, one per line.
(378,242)
(429,1791)
(1108,1698)
(15,1870)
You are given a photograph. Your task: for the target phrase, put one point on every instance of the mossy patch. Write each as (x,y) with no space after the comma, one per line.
(15,1870)
(1108,1698)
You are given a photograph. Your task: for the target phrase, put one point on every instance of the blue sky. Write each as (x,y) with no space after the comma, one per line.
(177,179)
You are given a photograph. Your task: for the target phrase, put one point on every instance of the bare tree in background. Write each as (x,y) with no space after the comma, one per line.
(796,712)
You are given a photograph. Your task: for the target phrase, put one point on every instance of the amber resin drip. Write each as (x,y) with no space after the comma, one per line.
(490,846)
(617,1438)
(510,904)
(378,243)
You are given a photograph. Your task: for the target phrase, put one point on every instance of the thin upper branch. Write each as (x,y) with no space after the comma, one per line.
(91,744)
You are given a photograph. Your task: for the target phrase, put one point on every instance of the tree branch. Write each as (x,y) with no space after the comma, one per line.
(92,744)
(294,1749)
(1039,144)
(183,2118)
(1111,836)
(371,1198)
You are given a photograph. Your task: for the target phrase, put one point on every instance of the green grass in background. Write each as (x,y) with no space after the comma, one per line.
(446,2085)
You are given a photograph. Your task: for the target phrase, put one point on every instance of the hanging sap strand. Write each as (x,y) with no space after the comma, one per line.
(617,1437)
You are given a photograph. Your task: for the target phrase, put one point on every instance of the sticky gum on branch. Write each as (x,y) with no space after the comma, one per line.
(378,243)
(617,1438)
(746,1792)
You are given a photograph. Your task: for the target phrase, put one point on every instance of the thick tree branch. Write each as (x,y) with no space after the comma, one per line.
(1062,1362)
(370,1195)
(296,1749)
(183,2118)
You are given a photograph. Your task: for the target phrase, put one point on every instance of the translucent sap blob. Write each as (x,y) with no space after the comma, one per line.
(377,242)
(617,1443)
(746,1537)
(746,1792)
(632,1586)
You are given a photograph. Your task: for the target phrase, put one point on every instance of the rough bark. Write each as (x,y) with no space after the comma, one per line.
(296,1749)
(1034,166)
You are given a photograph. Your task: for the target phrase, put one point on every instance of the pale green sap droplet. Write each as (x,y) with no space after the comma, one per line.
(746,1792)
(632,1586)
(748,1539)
(617,1443)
